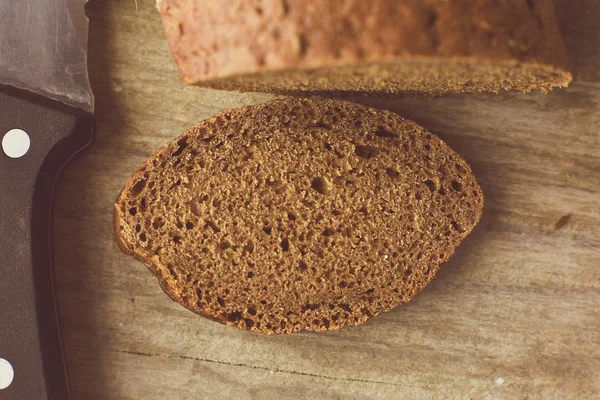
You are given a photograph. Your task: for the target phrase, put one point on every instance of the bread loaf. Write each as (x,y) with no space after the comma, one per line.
(414,47)
(298,214)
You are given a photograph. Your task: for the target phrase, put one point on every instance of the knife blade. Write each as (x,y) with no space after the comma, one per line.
(43,49)
(46,116)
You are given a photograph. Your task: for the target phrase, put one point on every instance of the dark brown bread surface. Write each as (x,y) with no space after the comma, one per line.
(423,47)
(298,214)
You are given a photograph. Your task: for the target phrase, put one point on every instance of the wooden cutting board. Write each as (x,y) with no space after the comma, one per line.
(515,314)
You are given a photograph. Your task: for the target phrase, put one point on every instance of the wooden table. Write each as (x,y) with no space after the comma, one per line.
(515,314)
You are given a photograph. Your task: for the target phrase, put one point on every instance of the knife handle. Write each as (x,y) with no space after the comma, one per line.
(29,330)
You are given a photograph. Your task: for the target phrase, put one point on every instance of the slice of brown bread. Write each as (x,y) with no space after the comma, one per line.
(298,214)
(424,47)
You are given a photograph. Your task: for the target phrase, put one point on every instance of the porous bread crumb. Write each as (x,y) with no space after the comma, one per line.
(298,214)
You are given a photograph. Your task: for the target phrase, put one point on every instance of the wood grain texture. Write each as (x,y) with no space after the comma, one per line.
(515,314)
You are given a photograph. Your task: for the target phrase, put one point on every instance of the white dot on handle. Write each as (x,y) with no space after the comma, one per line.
(15,143)
(6,374)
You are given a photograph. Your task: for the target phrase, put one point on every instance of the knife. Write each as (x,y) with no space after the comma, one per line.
(46,116)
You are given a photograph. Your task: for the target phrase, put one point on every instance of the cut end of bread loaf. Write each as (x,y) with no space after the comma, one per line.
(406,47)
(298,214)
(416,76)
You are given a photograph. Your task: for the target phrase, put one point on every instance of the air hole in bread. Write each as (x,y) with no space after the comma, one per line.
(210,224)
(328,232)
(346,307)
(249,247)
(366,152)
(302,266)
(383,132)
(430,184)
(274,182)
(322,124)
(460,168)
(456,185)
(285,244)
(321,185)
(171,270)
(391,172)
(138,187)
(182,143)
(457,227)
(234,316)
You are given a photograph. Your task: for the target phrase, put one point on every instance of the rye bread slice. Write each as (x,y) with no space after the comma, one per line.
(298,214)
(410,47)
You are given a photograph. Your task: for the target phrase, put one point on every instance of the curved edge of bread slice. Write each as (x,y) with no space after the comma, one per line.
(317,119)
